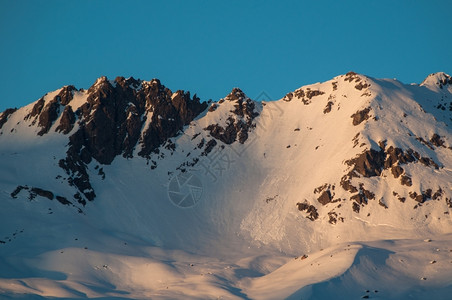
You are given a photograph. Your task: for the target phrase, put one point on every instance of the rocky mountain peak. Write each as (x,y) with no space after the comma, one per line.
(127,82)
(236,94)
(240,112)
(437,80)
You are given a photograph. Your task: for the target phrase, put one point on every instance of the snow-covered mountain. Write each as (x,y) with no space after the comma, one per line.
(129,190)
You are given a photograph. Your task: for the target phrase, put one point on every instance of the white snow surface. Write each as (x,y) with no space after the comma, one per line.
(245,238)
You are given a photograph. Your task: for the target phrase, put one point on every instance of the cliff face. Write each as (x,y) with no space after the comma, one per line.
(116,118)
(352,148)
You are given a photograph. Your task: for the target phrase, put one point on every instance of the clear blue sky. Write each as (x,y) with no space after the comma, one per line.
(209,47)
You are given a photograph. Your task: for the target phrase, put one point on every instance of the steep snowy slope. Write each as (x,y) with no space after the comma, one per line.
(130,190)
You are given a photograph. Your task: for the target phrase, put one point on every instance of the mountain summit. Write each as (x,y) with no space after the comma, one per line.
(129,162)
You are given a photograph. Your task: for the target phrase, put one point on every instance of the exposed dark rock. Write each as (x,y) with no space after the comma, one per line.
(66,95)
(43,193)
(449,202)
(5,115)
(227,134)
(311,210)
(313,93)
(347,185)
(209,146)
(352,76)
(326,193)
(17,190)
(368,194)
(213,107)
(48,115)
(400,198)
(435,140)
(396,155)
(361,116)
(406,180)
(288,97)
(362,197)
(361,86)
(327,108)
(333,217)
(438,194)
(426,161)
(111,123)
(325,197)
(67,121)
(239,123)
(36,110)
(419,198)
(382,203)
(63,200)
(201,143)
(355,207)
(359,198)
(426,143)
(305,97)
(299,93)
(397,171)
(369,163)
(319,189)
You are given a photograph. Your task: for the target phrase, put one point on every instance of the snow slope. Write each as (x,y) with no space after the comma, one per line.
(266,183)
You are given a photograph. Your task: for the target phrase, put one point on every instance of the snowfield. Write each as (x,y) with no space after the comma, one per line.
(287,214)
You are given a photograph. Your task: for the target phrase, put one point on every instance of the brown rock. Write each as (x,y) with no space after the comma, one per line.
(67,121)
(397,171)
(360,116)
(406,180)
(325,197)
(5,116)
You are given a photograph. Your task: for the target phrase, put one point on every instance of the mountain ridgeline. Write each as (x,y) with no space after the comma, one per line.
(352,148)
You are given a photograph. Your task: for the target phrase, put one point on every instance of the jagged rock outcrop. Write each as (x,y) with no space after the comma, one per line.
(5,115)
(111,124)
(239,123)
(371,163)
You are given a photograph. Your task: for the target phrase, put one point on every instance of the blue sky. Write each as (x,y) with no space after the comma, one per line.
(209,47)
